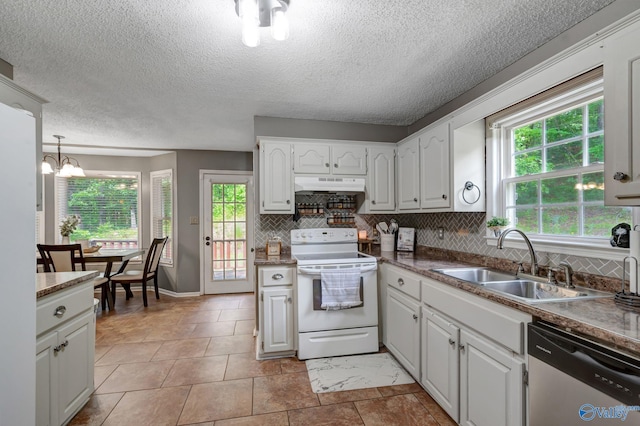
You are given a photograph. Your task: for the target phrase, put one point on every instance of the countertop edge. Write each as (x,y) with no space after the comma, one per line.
(51,282)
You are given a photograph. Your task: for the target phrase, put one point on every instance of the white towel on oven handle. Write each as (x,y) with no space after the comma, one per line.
(340,289)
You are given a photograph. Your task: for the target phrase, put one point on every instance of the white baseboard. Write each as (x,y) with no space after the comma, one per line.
(138,289)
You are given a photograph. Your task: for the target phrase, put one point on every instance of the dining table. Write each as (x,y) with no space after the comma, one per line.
(109,257)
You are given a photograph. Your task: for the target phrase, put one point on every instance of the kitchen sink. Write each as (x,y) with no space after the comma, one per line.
(476,275)
(525,290)
(534,291)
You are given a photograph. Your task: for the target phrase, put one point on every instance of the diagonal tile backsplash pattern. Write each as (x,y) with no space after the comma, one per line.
(464,232)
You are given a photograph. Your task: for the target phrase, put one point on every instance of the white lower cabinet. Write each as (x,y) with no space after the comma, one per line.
(441,361)
(64,355)
(276,311)
(473,361)
(491,385)
(278,319)
(403,334)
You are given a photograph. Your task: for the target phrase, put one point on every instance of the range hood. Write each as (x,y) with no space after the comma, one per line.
(328,184)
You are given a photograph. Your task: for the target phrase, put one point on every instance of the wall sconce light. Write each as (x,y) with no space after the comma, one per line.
(64,166)
(262,13)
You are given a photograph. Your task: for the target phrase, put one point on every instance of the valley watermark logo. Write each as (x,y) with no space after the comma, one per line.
(589,412)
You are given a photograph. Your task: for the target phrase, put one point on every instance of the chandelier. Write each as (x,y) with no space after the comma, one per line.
(262,13)
(64,166)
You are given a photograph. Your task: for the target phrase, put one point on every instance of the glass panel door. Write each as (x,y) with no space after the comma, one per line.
(227,231)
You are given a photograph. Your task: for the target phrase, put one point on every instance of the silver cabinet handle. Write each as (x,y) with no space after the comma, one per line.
(326,164)
(415,317)
(373,201)
(335,165)
(277,276)
(400,281)
(415,200)
(461,347)
(452,342)
(444,197)
(289,300)
(60,310)
(288,201)
(60,347)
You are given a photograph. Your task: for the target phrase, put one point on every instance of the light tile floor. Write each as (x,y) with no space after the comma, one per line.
(186,361)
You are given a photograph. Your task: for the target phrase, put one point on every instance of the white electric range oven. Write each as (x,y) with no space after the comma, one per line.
(324,332)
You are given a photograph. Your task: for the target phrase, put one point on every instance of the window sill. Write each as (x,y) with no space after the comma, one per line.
(592,248)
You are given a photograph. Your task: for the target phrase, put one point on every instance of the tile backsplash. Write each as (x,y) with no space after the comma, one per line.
(463,232)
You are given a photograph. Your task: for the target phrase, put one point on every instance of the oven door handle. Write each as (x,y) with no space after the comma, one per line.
(312,271)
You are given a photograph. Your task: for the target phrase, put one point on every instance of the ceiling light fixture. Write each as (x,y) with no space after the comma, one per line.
(262,13)
(63,165)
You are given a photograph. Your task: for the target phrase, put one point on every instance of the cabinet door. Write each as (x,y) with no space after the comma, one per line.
(491,386)
(46,380)
(434,168)
(440,361)
(278,319)
(408,175)
(276,187)
(381,191)
(403,336)
(622,120)
(311,159)
(349,160)
(75,363)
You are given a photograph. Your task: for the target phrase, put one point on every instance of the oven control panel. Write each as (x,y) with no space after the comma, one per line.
(323,235)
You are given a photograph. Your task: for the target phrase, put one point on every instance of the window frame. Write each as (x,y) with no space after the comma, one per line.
(499,166)
(161,174)
(105,174)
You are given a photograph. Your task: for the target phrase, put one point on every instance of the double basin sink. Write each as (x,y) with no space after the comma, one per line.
(525,290)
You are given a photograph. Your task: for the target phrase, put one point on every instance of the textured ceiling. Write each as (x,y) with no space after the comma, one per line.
(171,74)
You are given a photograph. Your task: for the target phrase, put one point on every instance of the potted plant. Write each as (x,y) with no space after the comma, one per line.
(497,224)
(68,225)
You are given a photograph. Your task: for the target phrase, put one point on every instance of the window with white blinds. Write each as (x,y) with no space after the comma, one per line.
(162,211)
(107,204)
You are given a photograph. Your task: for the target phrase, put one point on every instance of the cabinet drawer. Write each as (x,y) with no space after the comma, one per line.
(73,300)
(276,276)
(405,282)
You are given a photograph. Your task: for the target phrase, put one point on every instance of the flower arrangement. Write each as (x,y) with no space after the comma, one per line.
(69,224)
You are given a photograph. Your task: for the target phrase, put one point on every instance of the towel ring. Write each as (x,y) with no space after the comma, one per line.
(468,186)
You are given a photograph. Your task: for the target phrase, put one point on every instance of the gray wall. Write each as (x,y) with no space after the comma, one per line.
(189,164)
(317,129)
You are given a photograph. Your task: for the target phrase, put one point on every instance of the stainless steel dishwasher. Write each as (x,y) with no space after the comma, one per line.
(573,380)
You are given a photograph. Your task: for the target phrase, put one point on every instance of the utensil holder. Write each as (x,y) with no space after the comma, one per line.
(387,242)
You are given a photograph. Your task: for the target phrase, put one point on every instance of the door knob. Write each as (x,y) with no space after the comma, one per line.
(415,317)
(335,165)
(619,176)
(415,200)
(452,342)
(207,238)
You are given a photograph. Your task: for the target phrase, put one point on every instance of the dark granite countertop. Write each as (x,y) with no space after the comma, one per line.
(50,282)
(599,319)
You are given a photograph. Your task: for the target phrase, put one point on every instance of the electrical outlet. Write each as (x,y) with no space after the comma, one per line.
(440,233)
(194,220)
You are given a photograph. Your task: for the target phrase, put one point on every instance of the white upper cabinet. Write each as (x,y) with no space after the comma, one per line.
(311,159)
(622,119)
(349,159)
(381,179)
(320,159)
(276,186)
(408,175)
(434,168)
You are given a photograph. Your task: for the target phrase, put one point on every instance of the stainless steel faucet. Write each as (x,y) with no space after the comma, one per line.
(532,253)
(568,272)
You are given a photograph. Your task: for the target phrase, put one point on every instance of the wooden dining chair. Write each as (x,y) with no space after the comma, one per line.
(64,258)
(150,272)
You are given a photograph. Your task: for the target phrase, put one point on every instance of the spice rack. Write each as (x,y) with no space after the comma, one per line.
(341,209)
(310,209)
